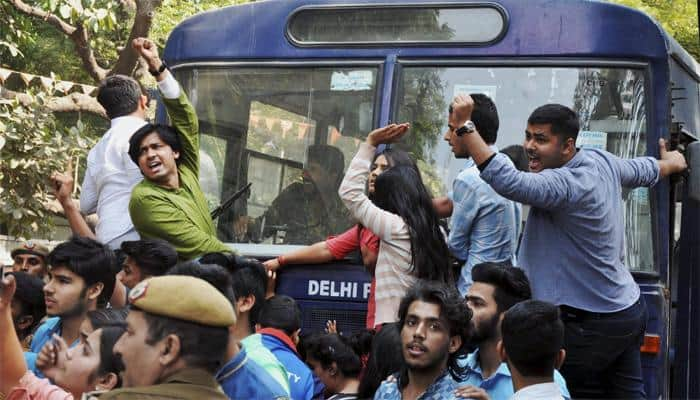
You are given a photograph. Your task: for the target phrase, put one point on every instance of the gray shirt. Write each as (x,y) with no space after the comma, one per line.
(573,243)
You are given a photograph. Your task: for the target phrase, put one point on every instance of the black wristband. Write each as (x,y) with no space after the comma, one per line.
(160,70)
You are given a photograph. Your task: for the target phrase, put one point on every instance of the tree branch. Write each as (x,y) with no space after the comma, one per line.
(78,35)
(74,102)
(143,20)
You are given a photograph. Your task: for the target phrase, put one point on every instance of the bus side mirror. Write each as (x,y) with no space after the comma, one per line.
(693,159)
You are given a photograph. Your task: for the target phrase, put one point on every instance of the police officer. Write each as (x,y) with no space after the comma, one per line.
(30,257)
(174,341)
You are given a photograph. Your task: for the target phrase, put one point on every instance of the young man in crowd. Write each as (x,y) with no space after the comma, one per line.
(28,306)
(169,203)
(144,259)
(110,175)
(249,284)
(240,377)
(278,327)
(573,244)
(484,225)
(80,280)
(533,347)
(434,323)
(30,257)
(176,328)
(495,290)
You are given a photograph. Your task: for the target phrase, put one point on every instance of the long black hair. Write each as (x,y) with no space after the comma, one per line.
(400,190)
(385,358)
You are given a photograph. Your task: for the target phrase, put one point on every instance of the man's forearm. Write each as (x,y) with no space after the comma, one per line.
(478,149)
(77,222)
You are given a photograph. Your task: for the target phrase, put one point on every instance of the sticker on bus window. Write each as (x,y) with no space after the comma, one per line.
(351,81)
(489,90)
(592,140)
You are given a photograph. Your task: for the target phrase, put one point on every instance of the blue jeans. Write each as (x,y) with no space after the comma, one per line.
(602,352)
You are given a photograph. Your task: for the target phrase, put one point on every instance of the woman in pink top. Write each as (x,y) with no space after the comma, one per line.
(402,215)
(89,366)
(355,238)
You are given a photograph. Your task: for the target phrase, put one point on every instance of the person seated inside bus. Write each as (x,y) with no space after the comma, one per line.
(169,203)
(356,238)
(308,210)
(402,215)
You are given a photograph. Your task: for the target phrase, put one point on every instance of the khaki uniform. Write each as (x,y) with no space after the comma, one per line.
(186,384)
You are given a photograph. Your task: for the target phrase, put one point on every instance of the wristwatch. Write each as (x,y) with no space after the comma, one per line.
(468,127)
(160,70)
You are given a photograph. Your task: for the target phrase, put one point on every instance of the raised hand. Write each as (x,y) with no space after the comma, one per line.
(670,162)
(63,186)
(7,291)
(387,134)
(462,107)
(147,49)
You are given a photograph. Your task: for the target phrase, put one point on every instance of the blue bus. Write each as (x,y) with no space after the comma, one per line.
(271,79)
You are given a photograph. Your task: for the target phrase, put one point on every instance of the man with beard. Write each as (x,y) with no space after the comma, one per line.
(434,323)
(80,279)
(496,289)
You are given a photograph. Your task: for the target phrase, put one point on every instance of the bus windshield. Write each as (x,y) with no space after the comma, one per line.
(610,103)
(292,131)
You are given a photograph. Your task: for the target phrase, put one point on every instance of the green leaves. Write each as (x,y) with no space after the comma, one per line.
(33,144)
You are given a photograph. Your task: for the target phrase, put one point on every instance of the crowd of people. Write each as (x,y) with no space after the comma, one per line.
(151,304)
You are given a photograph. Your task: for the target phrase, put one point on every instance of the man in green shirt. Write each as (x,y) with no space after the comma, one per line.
(169,203)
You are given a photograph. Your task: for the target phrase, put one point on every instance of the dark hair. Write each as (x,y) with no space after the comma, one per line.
(153,256)
(484,116)
(119,95)
(563,120)
(453,309)
(518,155)
(329,348)
(215,275)
(166,133)
(112,321)
(532,334)
(329,157)
(89,259)
(30,295)
(396,157)
(385,359)
(510,283)
(201,346)
(247,275)
(107,316)
(280,312)
(400,191)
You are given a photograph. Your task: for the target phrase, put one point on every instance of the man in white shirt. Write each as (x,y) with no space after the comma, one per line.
(533,346)
(110,174)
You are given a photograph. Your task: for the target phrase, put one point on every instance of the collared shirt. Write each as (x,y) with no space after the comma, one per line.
(243,379)
(484,225)
(499,386)
(179,216)
(572,248)
(109,178)
(442,389)
(542,391)
(44,333)
(185,384)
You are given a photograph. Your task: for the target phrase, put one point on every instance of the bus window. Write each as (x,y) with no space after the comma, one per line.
(609,101)
(291,131)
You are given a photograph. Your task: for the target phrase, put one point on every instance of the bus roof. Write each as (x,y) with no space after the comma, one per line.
(577,28)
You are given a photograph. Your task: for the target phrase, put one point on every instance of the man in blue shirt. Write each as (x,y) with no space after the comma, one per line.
(495,290)
(484,225)
(81,277)
(278,327)
(434,323)
(573,244)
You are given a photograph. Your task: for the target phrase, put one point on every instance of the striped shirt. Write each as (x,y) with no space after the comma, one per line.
(394,260)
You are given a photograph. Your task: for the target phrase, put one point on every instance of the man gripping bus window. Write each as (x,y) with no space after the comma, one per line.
(169,203)
(573,245)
